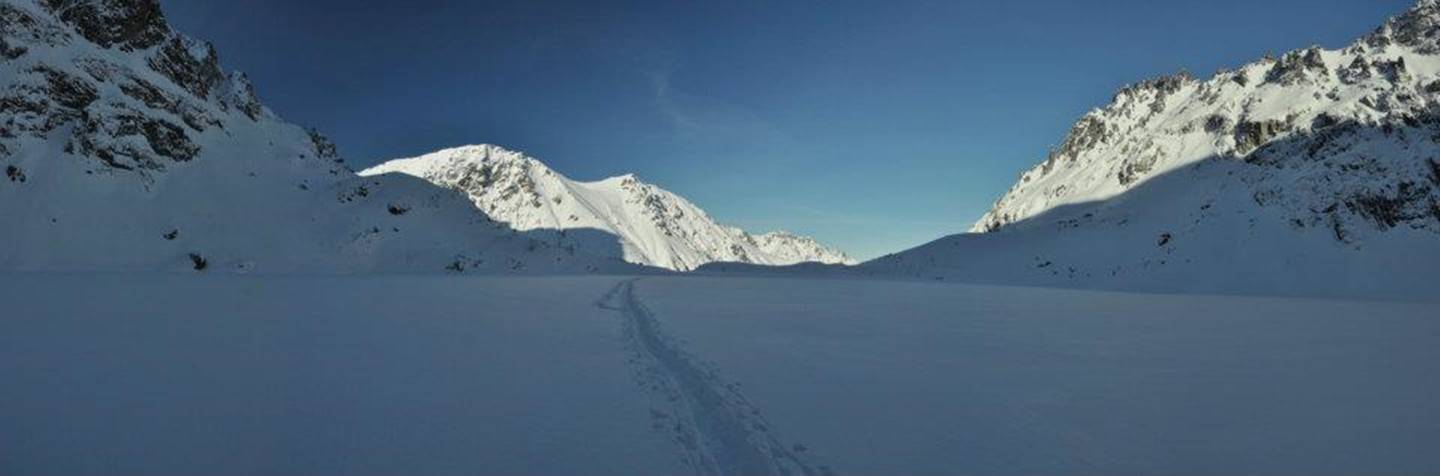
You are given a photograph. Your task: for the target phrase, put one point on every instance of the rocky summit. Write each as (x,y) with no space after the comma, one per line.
(1342,141)
(1317,171)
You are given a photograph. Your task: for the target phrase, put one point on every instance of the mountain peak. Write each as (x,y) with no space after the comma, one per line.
(1316,134)
(1314,169)
(624,180)
(467,159)
(477,153)
(1417,28)
(653,226)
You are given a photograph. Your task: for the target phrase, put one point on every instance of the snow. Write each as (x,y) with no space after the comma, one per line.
(1272,231)
(245,374)
(95,132)
(879,377)
(1313,174)
(652,226)
(1191,231)
(173,374)
(1162,125)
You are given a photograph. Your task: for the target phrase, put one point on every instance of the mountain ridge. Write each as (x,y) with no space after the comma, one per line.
(1144,130)
(1316,172)
(654,226)
(127,146)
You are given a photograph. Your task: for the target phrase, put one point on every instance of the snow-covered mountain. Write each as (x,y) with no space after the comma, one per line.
(1317,170)
(125,145)
(651,226)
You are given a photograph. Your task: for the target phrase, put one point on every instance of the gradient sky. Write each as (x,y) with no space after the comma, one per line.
(873,126)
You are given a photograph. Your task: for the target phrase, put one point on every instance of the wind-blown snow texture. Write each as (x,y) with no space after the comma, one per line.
(126,147)
(1317,172)
(226,374)
(888,377)
(172,374)
(654,226)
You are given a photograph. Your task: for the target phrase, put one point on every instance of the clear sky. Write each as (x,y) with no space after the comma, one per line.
(873,126)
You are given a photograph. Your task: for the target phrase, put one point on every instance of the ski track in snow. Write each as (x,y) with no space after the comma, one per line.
(720,431)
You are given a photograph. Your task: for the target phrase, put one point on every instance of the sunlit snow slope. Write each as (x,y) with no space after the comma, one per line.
(653,226)
(1317,172)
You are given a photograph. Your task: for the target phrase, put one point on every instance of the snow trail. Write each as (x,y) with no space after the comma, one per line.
(720,431)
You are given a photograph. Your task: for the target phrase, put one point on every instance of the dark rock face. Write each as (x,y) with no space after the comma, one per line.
(1407,202)
(126,24)
(1358,70)
(1163,87)
(514,177)
(68,91)
(1093,129)
(96,137)
(42,100)
(11,52)
(1157,90)
(154,97)
(198,262)
(1297,66)
(242,96)
(18,27)
(199,76)
(1385,190)
(1250,135)
(1136,168)
(149,94)
(1418,28)
(1240,78)
(1394,71)
(46,98)
(21,111)
(1323,121)
(167,139)
(1216,123)
(1086,134)
(324,148)
(358,193)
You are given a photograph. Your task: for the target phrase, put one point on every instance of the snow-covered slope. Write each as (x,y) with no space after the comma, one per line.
(654,226)
(126,146)
(1318,171)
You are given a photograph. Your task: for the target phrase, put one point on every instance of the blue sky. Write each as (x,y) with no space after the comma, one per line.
(873,126)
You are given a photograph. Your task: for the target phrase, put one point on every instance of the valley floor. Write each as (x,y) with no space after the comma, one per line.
(179,374)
